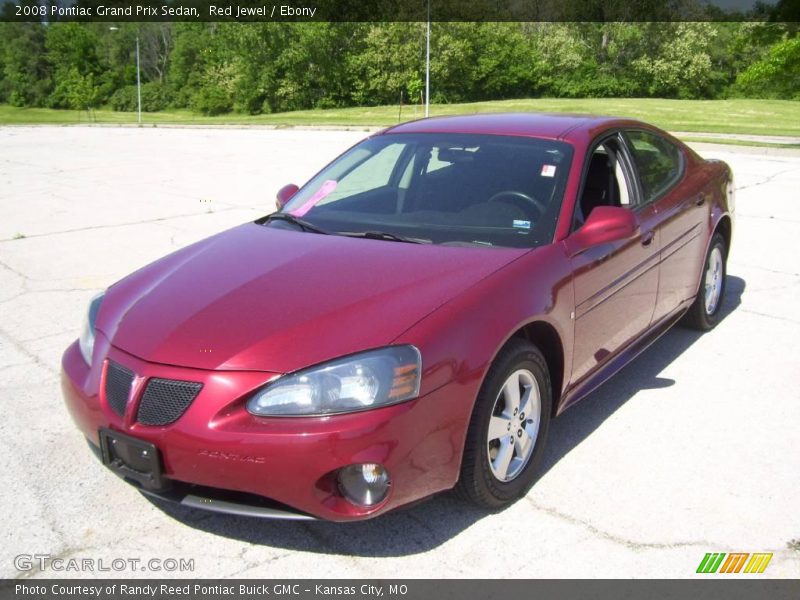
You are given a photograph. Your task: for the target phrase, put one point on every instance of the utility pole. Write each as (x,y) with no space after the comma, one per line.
(138,81)
(428,64)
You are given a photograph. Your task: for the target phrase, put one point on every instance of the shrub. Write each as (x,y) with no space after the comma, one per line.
(154,98)
(212,100)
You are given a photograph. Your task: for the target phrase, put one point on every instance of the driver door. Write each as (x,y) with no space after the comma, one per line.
(615,283)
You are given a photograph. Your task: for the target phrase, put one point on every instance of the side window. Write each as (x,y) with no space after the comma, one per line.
(659,162)
(607,181)
(371,174)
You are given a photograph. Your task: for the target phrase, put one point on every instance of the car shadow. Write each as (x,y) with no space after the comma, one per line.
(429,524)
(578,422)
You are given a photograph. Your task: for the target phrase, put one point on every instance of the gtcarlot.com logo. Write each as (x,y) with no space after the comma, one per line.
(735,562)
(47,562)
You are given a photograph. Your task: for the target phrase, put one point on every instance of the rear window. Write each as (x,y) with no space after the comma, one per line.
(659,162)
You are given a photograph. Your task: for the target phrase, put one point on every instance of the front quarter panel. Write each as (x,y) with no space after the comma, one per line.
(459,341)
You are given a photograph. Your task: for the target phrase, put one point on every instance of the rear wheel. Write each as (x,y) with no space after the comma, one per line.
(704,312)
(508,428)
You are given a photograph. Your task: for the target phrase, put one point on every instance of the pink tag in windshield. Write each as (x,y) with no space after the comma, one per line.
(326,188)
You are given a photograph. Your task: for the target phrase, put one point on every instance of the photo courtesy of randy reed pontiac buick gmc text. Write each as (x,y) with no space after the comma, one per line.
(247,590)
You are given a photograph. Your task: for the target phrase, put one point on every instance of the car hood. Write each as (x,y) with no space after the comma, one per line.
(266,299)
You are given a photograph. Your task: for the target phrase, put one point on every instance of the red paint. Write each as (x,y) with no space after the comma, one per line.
(258,297)
(285,194)
(234,310)
(606,224)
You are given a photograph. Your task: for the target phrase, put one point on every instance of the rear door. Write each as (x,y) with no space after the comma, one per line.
(682,209)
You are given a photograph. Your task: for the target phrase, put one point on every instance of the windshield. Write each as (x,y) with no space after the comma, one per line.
(455,189)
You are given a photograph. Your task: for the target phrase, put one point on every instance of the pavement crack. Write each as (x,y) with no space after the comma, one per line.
(48,291)
(8,267)
(616,539)
(73,331)
(766,269)
(252,564)
(23,350)
(769,316)
(113,225)
(11,366)
(765,180)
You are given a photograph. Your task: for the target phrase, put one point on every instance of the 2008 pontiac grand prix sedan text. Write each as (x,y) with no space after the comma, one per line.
(409,321)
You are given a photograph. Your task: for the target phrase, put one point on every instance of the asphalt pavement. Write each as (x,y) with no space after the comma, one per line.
(691,449)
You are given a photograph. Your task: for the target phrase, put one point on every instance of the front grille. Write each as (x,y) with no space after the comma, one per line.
(118,386)
(165,400)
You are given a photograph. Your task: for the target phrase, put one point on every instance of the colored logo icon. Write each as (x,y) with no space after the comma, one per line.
(736,562)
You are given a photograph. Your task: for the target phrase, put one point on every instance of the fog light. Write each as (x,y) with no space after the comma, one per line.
(365,485)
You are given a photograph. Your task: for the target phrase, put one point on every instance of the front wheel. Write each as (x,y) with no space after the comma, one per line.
(508,428)
(704,312)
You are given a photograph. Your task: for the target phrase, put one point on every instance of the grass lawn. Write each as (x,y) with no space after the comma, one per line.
(760,117)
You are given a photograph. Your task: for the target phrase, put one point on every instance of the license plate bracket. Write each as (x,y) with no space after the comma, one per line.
(131,458)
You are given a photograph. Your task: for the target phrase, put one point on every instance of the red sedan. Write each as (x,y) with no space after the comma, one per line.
(408,322)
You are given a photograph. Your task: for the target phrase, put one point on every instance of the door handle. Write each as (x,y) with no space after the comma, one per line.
(647,238)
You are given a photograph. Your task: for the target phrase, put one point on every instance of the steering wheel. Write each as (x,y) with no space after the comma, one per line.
(529,201)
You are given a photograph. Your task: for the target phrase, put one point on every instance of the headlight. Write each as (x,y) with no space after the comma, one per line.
(358,382)
(86,340)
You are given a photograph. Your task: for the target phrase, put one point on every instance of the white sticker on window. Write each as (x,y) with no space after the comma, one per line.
(548,170)
(520,224)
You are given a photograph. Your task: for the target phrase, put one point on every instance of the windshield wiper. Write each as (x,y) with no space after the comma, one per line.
(290,218)
(383,235)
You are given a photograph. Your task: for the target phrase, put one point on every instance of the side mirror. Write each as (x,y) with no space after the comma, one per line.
(605,224)
(285,194)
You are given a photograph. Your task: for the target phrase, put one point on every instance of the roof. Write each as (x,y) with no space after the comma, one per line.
(541,125)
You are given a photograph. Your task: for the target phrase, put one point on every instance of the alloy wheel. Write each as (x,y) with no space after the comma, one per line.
(713,280)
(514,425)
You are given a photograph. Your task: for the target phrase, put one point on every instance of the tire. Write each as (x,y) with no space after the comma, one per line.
(704,312)
(481,480)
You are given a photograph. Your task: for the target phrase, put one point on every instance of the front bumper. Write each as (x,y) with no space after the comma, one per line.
(219,457)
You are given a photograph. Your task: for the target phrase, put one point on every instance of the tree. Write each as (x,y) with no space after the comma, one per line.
(777,75)
(72,45)
(504,63)
(681,66)
(155,40)
(392,61)
(271,66)
(75,91)
(191,53)
(27,75)
(72,52)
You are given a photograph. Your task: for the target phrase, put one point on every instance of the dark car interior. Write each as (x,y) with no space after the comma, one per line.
(601,186)
(480,188)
